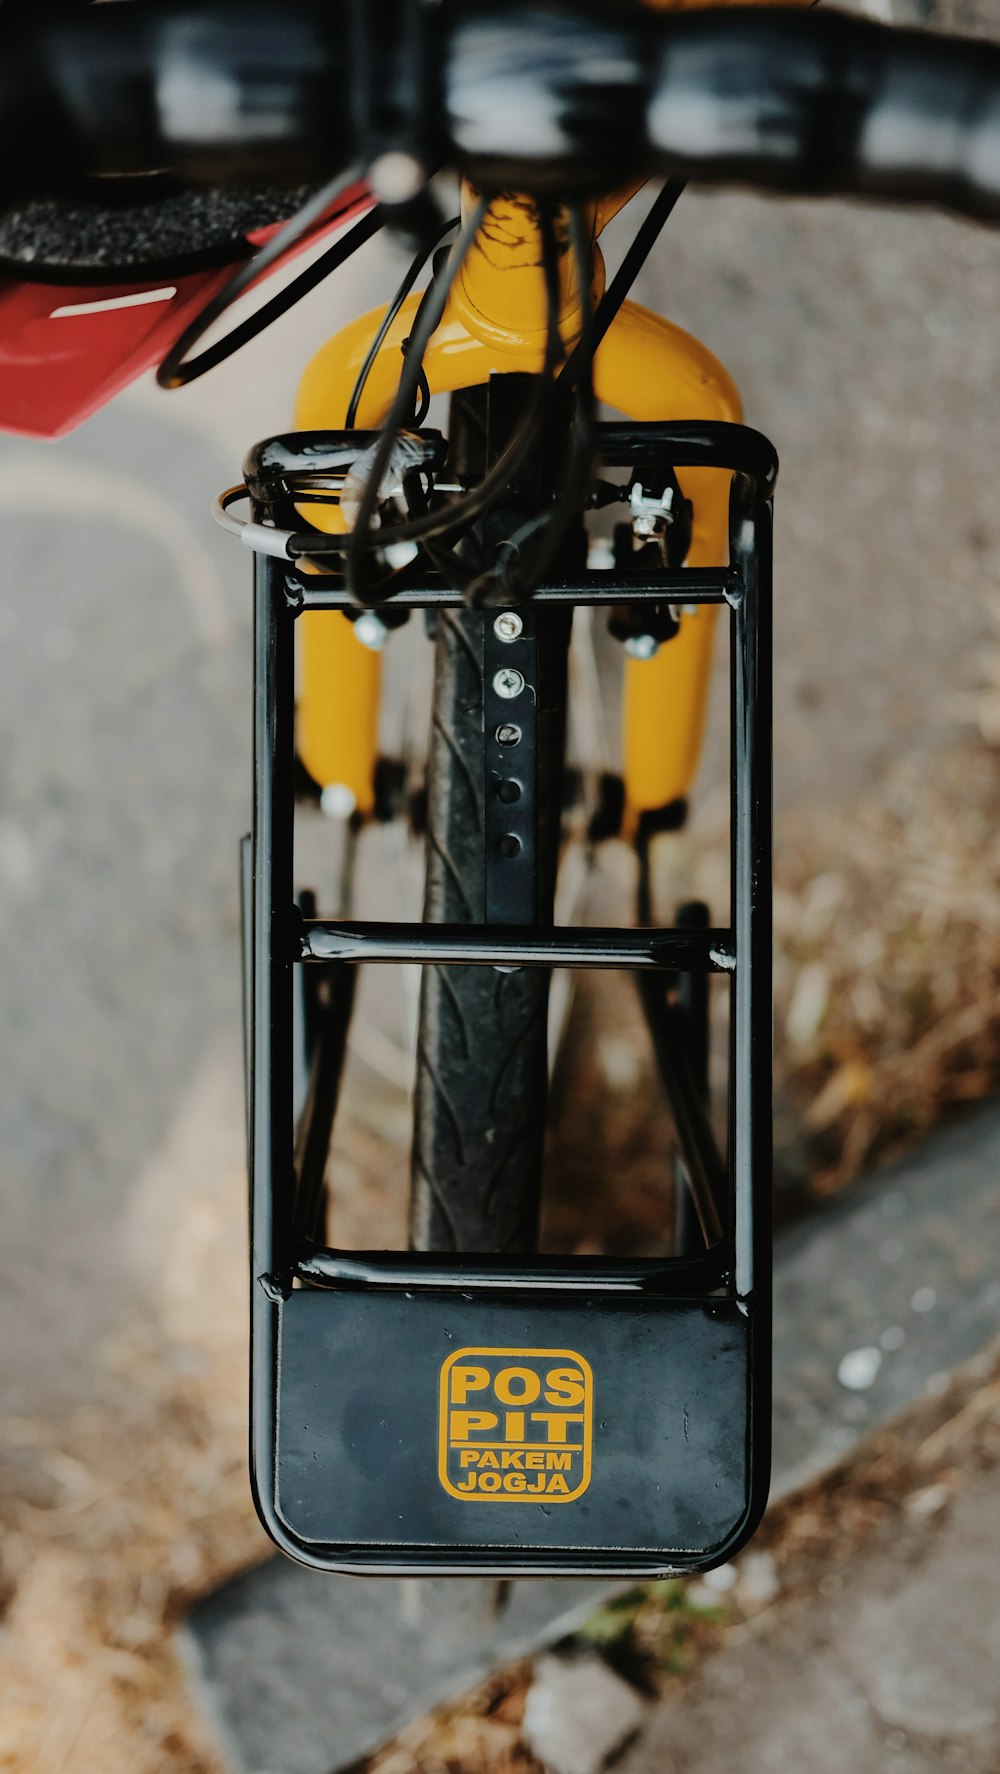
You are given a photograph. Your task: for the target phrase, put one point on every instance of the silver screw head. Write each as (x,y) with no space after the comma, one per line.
(508,683)
(508,626)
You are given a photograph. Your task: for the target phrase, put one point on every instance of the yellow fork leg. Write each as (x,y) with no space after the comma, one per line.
(336,731)
(650,369)
(339,680)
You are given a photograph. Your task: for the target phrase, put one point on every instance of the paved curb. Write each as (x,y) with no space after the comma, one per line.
(877,1298)
(901,1278)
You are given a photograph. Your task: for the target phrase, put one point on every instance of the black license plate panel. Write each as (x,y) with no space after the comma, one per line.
(543,1430)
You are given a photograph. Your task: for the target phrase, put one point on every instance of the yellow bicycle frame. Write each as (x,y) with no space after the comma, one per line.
(495,321)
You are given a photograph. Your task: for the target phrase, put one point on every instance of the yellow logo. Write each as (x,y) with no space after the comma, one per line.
(515,1425)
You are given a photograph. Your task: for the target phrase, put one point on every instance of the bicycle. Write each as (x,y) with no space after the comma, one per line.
(471,1407)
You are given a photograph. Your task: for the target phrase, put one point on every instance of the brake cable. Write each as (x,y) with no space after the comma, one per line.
(177,369)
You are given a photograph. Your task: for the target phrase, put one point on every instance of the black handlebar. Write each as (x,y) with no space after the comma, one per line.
(567,96)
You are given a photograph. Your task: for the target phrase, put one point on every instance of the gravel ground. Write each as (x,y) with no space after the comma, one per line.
(859,1633)
(888,1637)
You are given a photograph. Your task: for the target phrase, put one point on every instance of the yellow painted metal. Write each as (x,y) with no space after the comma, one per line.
(339,681)
(495,322)
(650,369)
(336,728)
(499,294)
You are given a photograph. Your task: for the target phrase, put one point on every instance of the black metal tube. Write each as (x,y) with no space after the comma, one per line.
(706,1171)
(693,1004)
(750,1009)
(271,991)
(694,585)
(212,93)
(312,1146)
(692,1008)
(246,947)
(390,1269)
(480,945)
(692,443)
(783,99)
(517,95)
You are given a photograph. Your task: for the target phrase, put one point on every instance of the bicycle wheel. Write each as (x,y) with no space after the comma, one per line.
(482,1073)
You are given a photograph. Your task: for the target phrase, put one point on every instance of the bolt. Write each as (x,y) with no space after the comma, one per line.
(371,631)
(601,554)
(508,735)
(509,844)
(508,683)
(508,626)
(338,801)
(641,646)
(396,177)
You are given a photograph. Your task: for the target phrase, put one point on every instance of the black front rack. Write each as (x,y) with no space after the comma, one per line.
(318,1480)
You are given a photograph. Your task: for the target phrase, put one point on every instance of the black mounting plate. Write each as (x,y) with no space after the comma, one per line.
(499,1430)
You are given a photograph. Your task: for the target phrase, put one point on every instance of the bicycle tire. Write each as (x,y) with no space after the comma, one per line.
(481,1069)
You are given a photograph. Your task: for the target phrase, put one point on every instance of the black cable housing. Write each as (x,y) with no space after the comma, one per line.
(177,369)
(382,333)
(425,325)
(432,526)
